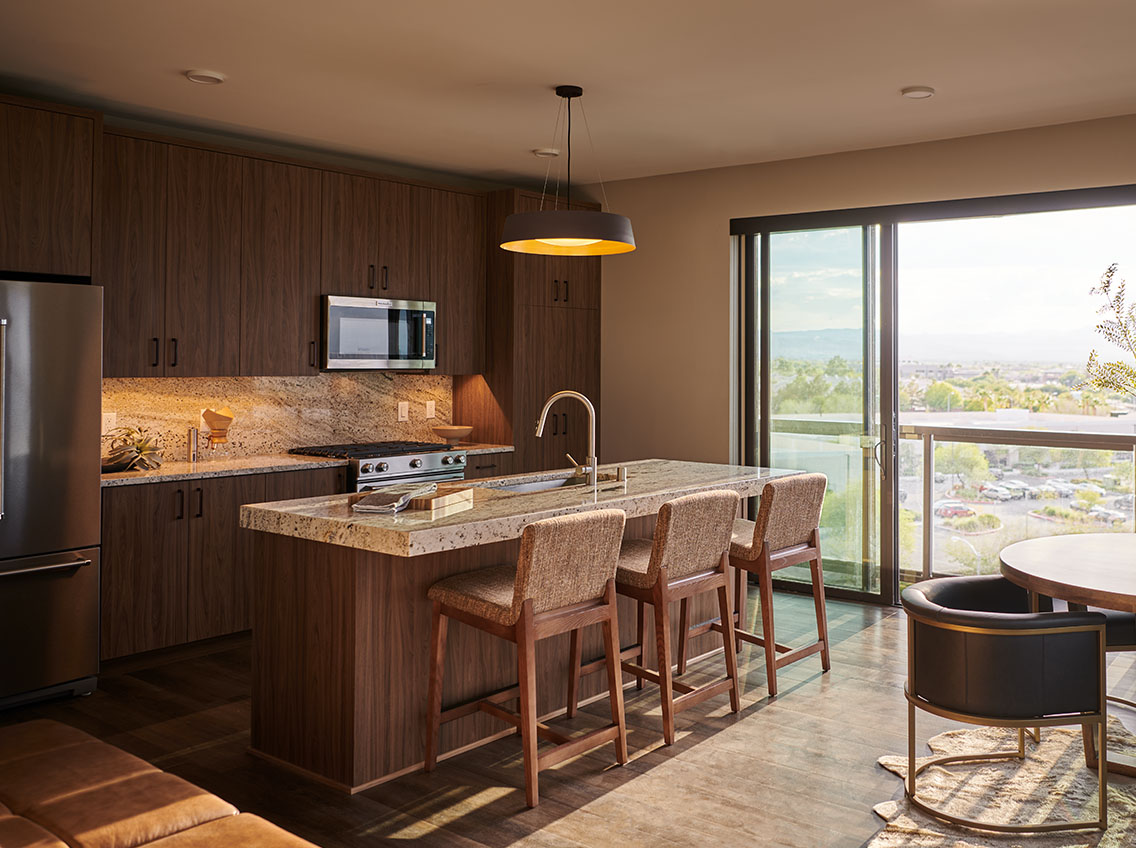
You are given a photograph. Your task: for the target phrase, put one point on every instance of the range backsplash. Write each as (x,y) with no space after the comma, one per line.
(277,413)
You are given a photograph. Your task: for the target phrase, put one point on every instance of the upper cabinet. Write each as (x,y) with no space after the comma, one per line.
(404,241)
(203,262)
(349,261)
(280,269)
(457,247)
(46,167)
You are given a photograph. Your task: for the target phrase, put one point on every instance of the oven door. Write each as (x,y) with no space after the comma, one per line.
(372,333)
(365,485)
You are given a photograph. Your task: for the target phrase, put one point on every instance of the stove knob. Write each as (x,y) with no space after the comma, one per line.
(366,468)
(461,460)
(415,463)
(382,466)
(447,460)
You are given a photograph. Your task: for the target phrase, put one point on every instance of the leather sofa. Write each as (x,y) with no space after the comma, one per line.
(62,788)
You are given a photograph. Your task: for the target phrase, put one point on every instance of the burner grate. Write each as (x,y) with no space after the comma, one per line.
(369,449)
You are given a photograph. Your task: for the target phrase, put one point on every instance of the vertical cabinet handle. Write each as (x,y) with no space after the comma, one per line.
(157,352)
(3,407)
(370,276)
(312,354)
(565,291)
(565,414)
(386,277)
(555,424)
(200,502)
(173,353)
(556,290)
(180,505)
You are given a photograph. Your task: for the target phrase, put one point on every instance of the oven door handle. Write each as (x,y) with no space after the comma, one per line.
(52,566)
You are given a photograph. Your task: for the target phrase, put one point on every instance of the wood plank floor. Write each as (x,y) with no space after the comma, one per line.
(799,770)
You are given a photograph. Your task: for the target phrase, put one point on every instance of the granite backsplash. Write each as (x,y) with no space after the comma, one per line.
(277,413)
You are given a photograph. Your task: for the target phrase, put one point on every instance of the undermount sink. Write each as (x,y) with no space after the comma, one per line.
(549,483)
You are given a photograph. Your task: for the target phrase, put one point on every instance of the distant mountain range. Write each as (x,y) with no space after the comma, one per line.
(1068,347)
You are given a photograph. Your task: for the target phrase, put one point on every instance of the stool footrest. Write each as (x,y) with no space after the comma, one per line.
(653,676)
(470,707)
(571,747)
(697,696)
(799,653)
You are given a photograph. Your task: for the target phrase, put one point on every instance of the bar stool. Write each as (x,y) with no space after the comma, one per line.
(688,556)
(564,579)
(786,532)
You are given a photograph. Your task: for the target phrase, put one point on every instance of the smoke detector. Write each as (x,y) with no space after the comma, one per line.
(202,77)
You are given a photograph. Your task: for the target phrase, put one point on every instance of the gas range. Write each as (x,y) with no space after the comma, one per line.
(376,464)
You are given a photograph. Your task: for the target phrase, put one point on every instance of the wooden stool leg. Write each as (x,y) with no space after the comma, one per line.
(728,645)
(683,628)
(821,615)
(575,657)
(765,586)
(663,649)
(740,592)
(615,677)
(526,674)
(641,639)
(434,696)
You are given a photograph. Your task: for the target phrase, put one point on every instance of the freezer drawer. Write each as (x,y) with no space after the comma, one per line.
(49,623)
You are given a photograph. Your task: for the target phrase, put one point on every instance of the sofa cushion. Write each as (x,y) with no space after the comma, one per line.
(245,830)
(35,737)
(129,812)
(56,773)
(18,832)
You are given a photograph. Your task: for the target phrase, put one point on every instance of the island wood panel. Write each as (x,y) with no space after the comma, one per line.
(349,258)
(341,639)
(405,241)
(131,264)
(280,270)
(46,190)
(458,256)
(143,582)
(203,263)
(220,555)
(307,483)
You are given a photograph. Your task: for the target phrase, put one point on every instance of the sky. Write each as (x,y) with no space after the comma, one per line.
(1009,288)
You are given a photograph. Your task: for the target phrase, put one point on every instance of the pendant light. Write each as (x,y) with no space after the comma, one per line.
(568,232)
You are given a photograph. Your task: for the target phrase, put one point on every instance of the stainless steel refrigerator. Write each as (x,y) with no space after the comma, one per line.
(50,416)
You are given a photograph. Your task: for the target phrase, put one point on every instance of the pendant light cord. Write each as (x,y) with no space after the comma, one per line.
(568,182)
(592,147)
(548,167)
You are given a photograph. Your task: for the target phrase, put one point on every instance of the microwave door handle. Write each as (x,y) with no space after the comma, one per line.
(3,406)
(423,319)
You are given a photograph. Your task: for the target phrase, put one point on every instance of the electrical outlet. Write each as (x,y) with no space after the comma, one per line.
(110,421)
(403,410)
(430,412)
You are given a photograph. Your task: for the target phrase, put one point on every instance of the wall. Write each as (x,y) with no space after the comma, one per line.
(667,307)
(277,413)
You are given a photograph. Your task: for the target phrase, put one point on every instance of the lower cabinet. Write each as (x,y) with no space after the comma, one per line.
(175,561)
(488,465)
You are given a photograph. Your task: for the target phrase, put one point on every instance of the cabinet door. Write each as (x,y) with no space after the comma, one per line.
(488,465)
(405,241)
(541,367)
(350,247)
(220,555)
(310,483)
(581,353)
(458,236)
(203,263)
(576,281)
(131,266)
(280,278)
(532,272)
(46,163)
(143,567)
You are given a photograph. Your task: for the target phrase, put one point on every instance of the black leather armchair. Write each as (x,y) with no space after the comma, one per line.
(977,654)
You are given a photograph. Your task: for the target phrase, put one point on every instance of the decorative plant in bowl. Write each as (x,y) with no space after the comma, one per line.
(1120,329)
(130,448)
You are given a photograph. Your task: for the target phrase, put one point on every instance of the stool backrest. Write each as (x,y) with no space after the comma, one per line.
(568,559)
(789,511)
(692,533)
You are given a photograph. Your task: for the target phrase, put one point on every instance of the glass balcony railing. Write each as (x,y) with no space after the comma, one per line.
(964,493)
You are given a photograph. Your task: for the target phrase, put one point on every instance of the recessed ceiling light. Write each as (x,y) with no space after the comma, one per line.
(205,77)
(918,92)
(546,152)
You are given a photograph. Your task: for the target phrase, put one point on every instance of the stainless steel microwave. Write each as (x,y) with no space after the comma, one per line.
(372,333)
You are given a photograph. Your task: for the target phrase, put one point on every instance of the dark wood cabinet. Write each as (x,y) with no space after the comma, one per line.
(405,231)
(144,560)
(46,190)
(220,554)
(203,263)
(458,256)
(280,269)
(306,483)
(488,465)
(349,263)
(131,263)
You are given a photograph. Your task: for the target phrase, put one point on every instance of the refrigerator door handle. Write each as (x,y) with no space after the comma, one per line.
(3,404)
(54,566)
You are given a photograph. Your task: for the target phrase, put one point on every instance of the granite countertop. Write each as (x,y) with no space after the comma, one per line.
(170,471)
(498,514)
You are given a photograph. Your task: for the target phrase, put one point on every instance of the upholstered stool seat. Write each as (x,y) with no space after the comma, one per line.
(564,579)
(686,557)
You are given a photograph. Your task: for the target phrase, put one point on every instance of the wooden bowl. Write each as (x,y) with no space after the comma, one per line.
(452,433)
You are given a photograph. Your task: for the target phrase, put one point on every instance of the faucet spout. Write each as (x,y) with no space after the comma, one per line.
(591,462)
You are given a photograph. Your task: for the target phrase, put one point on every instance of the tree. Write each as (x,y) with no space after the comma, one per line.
(940,395)
(1089,498)
(963,459)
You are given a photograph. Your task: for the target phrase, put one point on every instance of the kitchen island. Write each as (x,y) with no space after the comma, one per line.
(341,622)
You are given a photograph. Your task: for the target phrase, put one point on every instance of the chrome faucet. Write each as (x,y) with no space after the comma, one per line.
(590,461)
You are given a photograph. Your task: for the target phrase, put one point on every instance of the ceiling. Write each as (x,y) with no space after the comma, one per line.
(464,86)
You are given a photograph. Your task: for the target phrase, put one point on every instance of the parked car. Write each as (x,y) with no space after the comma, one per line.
(1089,487)
(940,477)
(1048,490)
(1065,490)
(1020,489)
(1080,506)
(953,509)
(997,473)
(994,492)
(1125,502)
(1110,515)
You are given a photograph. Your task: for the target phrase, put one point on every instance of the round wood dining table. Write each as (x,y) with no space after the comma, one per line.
(1094,569)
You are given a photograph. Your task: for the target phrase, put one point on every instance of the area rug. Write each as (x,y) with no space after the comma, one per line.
(1052,783)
